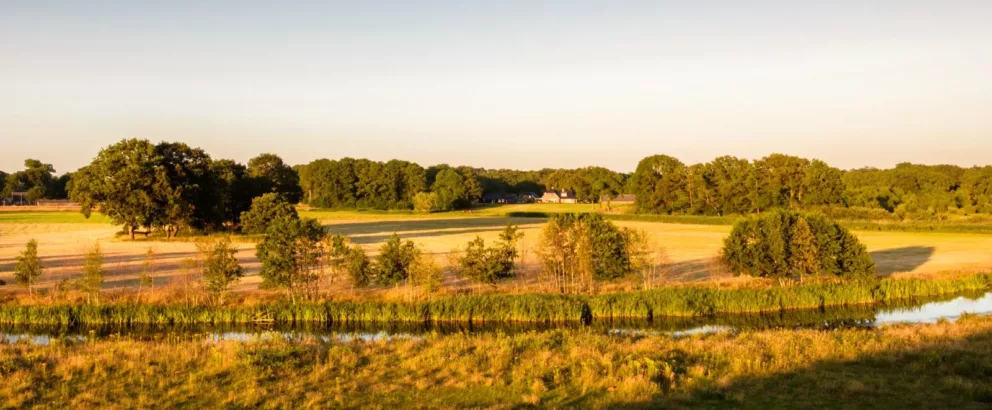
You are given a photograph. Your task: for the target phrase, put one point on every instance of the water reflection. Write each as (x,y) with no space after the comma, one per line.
(919,311)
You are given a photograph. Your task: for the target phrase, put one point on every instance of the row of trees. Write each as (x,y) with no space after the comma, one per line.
(729,185)
(173,186)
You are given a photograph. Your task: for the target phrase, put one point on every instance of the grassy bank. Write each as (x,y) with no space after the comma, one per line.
(667,302)
(944,365)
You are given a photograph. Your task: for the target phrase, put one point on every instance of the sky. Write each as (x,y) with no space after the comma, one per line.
(501,84)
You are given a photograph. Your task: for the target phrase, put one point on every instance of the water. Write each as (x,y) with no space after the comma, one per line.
(921,311)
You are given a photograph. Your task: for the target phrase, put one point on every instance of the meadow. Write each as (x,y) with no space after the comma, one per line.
(945,365)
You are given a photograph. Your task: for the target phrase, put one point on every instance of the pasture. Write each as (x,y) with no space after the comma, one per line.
(690,250)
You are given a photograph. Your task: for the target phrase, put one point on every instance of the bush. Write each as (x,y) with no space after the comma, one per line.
(220,266)
(489,265)
(291,254)
(264,210)
(426,202)
(393,263)
(782,244)
(28,268)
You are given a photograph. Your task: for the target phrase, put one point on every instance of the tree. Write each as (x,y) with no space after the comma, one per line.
(186,192)
(823,185)
(804,259)
(233,189)
(449,186)
(28,268)
(358,266)
(781,244)
(265,209)
(220,266)
(425,273)
(392,266)
(290,255)
(121,181)
(93,273)
(268,173)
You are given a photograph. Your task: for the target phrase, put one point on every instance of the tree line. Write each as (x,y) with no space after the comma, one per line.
(730,185)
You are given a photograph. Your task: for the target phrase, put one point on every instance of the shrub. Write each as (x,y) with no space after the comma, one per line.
(220,266)
(782,244)
(489,265)
(392,266)
(290,255)
(426,202)
(264,210)
(93,273)
(28,268)
(358,266)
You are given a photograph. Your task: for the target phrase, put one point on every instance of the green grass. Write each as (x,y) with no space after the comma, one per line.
(667,302)
(943,365)
(50,217)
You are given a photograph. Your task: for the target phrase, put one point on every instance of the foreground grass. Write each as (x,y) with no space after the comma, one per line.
(944,365)
(688,301)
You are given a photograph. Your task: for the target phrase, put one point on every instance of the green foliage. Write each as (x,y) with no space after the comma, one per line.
(449,186)
(489,265)
(392,265)
(576,249)
(37,179)
(781,244)
(93,273)
(361,183)
(267,173)
(220,265)
(426,202)
(120,181)
(358,266)
(265,209)
(290,255)
(28,268)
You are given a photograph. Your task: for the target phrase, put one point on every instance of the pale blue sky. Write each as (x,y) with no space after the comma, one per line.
(516,84)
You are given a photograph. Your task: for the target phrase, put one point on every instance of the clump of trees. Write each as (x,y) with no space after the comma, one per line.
(788,245)
(37,179)
(490,264)
(172,186)
(578,249)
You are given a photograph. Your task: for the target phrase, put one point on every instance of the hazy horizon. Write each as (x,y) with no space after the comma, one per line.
(522,85)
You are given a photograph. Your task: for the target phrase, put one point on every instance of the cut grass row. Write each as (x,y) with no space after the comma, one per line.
(668,302)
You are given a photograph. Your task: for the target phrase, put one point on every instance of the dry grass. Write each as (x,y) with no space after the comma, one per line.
(691,250)
(944,365)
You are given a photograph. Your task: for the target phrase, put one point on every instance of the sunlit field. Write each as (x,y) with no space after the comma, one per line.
(690,250)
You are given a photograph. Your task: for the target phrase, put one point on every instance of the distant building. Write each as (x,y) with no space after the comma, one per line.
(16,198)
(559,197)
(494,198)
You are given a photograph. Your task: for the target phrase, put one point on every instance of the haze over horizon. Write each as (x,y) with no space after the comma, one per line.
(524,85)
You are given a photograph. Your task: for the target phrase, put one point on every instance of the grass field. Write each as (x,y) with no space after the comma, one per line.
(943,365)
(691,248)
(50,217)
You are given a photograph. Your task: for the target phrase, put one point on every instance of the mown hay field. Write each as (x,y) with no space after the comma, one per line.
(691,250)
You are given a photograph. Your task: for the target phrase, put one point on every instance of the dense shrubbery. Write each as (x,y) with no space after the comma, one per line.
(291,254)
(783,244)
(491,264)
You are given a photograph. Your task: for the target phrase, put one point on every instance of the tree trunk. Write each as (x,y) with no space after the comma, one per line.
(130,231)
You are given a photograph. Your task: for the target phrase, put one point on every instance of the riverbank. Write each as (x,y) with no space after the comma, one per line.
(682,301)
(943,365)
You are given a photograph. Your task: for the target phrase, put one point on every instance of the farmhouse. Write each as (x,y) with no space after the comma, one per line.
(562,197)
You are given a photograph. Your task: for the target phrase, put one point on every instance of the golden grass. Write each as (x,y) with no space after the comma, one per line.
(945,365)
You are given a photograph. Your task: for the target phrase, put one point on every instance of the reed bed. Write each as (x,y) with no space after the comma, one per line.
(667,302)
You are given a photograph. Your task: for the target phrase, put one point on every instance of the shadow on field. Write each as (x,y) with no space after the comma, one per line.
(907,259)
(419,225)
(948,375)
(109,259)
